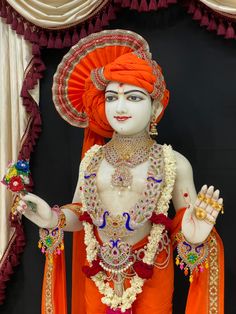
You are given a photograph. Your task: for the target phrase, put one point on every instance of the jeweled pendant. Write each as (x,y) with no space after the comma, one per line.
(122,177)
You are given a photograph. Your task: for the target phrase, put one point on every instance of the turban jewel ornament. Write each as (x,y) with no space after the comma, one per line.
(84,72)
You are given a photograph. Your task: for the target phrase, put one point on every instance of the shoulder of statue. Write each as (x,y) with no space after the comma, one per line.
(182,163)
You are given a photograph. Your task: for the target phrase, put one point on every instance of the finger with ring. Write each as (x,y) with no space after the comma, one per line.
(209,220)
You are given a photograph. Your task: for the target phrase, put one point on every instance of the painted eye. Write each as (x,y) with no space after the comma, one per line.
(110,98)
(134,98)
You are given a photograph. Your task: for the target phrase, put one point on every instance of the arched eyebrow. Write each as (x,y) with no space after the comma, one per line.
(127,92)
(135,90)
(111,91)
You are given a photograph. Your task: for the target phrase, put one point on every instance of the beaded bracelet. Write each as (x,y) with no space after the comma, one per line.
(51,239)
(191,257)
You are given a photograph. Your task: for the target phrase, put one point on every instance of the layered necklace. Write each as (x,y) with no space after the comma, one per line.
(124,153)
(115,257)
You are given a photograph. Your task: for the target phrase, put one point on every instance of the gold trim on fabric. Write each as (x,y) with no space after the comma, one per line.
(213,277)
(49,292)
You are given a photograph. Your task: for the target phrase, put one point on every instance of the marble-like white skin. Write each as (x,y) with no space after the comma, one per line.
(135,103)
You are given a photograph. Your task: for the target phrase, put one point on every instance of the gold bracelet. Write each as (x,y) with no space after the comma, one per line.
(75,208)
(191,256)
(51,239)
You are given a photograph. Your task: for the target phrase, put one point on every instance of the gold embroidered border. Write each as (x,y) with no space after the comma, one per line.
(49,294)
(213,277)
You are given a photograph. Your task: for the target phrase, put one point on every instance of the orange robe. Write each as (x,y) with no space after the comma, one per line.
(206,293)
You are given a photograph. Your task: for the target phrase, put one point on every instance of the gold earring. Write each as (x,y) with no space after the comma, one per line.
(153,128)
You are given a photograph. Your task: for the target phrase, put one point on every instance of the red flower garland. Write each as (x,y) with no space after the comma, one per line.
(92,270)
(86,217)
(161,219)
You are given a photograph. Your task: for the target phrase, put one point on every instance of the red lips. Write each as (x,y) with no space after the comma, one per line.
(122,118)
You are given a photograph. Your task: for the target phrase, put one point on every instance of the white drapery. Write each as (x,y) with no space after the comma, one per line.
(221,6)
(15,55)
(53,14)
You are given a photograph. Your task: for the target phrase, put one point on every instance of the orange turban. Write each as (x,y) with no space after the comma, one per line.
(128,69)
(81,78)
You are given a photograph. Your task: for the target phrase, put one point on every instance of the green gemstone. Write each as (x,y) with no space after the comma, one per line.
(192,258)
(49,241)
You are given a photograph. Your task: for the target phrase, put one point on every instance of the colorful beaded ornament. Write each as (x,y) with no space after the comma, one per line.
(51,239)
(191,257)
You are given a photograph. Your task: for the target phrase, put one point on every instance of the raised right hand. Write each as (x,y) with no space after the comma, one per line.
(39,212)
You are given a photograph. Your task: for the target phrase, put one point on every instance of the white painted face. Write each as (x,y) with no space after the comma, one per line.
(128,108)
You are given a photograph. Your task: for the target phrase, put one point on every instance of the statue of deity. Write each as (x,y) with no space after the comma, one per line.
(109,85)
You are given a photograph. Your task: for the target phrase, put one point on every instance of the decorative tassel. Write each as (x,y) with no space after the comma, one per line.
(230,33)
(125,3)
(162,4)
(20,28)
(111,13)
(29,83)
(35,77)
(34,38)
(58,41)
(205,19)
(41,67)
(143,6)
(152,5)
(24,92)
(35,49)
(212,25)
(43,41)
(221,30)
(98,24)
(9,19)
(75,37)
(90,27)
(82,32)
(191,8)
(105,21)
(27,33)
(67,39)
(134,5)
(4,11)
(14,23)
(197,16)
(51,41)
(171,1)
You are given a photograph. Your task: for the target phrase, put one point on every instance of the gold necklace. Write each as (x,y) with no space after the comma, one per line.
(125,152)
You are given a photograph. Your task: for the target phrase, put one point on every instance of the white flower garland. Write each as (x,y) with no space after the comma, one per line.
(110,298)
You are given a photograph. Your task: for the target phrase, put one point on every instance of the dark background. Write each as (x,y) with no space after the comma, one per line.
(200,123)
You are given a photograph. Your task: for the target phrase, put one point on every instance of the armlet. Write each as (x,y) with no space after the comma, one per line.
(74,207)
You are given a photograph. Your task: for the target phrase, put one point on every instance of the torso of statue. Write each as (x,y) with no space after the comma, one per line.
(120,201)
(121,195)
